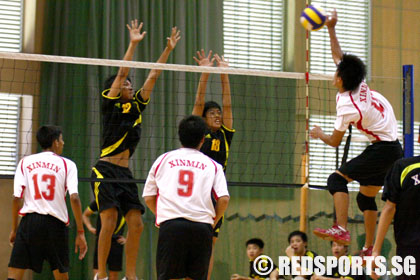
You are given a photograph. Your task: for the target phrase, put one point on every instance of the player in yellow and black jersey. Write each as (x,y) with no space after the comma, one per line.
(402,196)
(219,123)
(121,117)
(216,142)
(121,121)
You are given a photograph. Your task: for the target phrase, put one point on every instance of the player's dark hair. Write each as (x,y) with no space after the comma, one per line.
(298,233)
(352,71)
(256,241)
(47,134)
(210,105)
(110,80)
(191,131)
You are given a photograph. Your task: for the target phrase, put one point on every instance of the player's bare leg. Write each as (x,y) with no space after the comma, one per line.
(113,275)
(338,232)
(370,216)
(108,222)
(135,228)
(15,273)
(60,276)
(341,204)
(211,258)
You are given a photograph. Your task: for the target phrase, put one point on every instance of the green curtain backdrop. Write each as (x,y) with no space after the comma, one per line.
(267,117)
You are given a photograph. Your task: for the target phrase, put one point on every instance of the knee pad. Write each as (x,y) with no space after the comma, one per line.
(337,183)
(366,203)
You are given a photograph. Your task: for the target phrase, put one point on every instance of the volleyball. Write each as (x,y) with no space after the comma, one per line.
(313,18)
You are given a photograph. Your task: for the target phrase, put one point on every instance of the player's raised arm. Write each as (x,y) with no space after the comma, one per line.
(205,61)
(135,37)
(154,74)
(335,45)
(226,97)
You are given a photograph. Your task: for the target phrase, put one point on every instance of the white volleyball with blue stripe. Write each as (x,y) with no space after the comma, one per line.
(313,18)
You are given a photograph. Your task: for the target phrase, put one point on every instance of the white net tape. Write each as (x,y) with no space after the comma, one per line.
(159,66)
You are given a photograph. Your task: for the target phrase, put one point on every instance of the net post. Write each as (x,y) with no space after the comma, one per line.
(408,110)
(303,220)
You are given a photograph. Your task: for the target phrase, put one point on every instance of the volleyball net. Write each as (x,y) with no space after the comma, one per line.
(268,109)
(266,164)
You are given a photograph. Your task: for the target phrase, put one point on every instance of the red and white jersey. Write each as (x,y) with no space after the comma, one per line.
(42,180)
(369,111)
(183,181)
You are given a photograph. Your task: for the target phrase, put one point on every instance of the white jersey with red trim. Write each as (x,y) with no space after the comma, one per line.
(183,181)
(42,180)
(369,111)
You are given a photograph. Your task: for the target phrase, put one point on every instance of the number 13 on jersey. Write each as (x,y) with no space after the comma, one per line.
(186,180)
(50,187)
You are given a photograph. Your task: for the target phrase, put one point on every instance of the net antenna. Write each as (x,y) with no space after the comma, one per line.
(408,110)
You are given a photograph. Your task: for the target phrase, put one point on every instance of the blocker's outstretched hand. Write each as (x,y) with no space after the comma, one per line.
(173,40)
(203,60)
(135,29)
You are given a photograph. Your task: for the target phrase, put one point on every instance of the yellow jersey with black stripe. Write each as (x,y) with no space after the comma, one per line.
(402,187)
(217,144)
(119,229)
(121,123)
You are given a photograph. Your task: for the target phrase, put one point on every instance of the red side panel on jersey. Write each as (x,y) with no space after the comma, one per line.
(215,166)
(157,199)
(21,167)
(157,167)
(215,195)
(65,189)
(212,190)
(21,194)
(65,166)
(359,123)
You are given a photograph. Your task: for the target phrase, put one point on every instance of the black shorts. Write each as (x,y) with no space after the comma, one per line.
(115,257)
(371,166)
(184,250)
(39,238)
(119,195)
(409,251)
